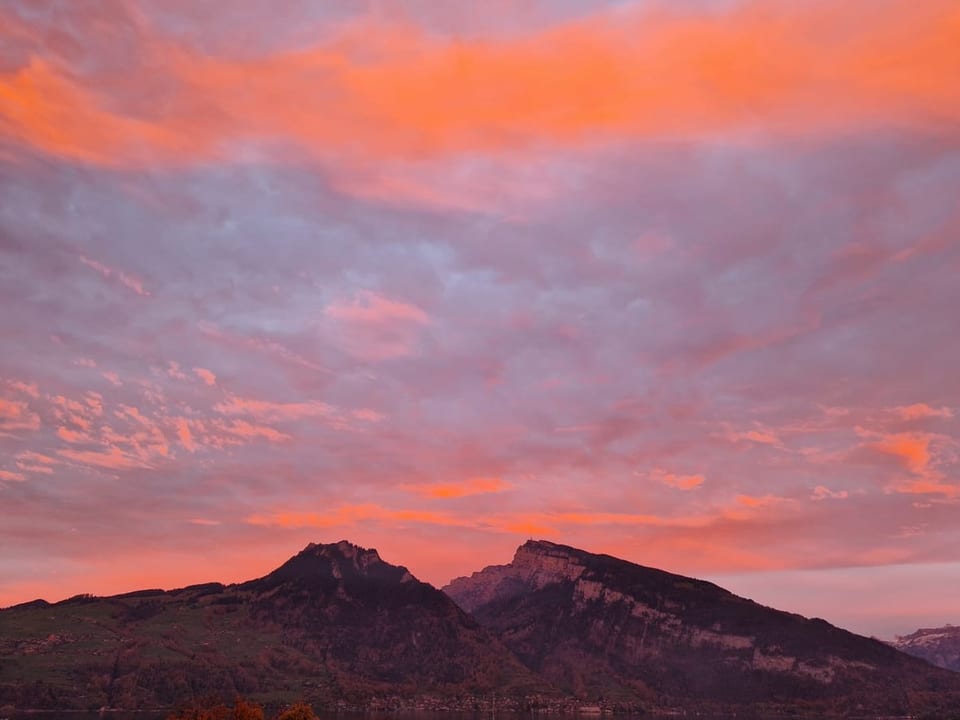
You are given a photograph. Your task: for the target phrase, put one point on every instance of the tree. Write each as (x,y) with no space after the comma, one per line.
(299,711)
(212,710)
(243,710)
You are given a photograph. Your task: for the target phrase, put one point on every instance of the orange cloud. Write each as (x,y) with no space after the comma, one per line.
(349,514)
(6,475)
(929,487)
(821,492)
(273,411)
(110,459)
(206,375)
(186,437)
(474,486)
(752,501)
(16,415)
(919,411)
(243,430)
(391,91)
(680,482)
(26,388)
(761,437)
(509,523)
(911,449)
(35,463)
(72,436)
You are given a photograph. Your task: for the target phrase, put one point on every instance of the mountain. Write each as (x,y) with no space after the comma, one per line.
(557,627)
(597,626)
(938,646)
(333,623)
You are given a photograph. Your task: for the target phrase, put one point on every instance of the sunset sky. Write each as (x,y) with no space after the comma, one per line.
(676,281)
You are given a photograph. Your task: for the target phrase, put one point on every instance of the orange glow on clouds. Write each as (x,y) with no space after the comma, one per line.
(473,486)
(395,92)
(913,450)
(666,280)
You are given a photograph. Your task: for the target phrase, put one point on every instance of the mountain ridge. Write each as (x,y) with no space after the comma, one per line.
(555,627)
(334,623)
(597,625)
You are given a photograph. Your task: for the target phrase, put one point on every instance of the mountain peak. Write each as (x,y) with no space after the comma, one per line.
(329,565)
(344,550)
(595,625)
(938,646)
(536,564)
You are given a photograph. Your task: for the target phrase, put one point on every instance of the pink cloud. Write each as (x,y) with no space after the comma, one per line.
(111,459)
(922,410)
(680,482)
(261,345)
(174,371)
(759,436)
(273,411)
(205,375)
(17,415)
(126,280)
(367,415)
(35,463)
(26,388)
(186,437)
(244,430)
(373,327)
(821,492)
(912,450)
(765,501)
(6,475)
(350,514)
(73,436)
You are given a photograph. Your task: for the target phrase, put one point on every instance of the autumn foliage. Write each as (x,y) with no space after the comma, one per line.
(241,710)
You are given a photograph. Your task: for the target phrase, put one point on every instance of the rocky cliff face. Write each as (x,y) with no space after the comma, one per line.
(598,626)
(335,622)
(938,646)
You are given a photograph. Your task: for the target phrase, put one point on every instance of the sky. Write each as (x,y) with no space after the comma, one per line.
(674,281)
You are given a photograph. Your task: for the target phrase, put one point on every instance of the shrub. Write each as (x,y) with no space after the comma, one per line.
(211,710)
(300,711)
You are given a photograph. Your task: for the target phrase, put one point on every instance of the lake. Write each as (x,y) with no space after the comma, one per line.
(407,715)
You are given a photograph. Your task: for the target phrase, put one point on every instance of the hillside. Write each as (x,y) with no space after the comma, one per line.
(335,622)
(597,626)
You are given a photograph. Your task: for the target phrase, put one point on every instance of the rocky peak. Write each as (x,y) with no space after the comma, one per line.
(345,551)
(330,565)
(939,646)
(536,564)
(540,563)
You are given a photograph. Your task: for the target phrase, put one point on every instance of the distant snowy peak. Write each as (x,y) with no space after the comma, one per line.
(938,646)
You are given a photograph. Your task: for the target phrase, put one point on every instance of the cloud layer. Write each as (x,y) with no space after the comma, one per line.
(676,285)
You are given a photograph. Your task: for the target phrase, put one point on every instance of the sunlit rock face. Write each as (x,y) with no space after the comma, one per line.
(939,646)
(598,626)
(536,564)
